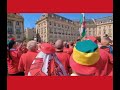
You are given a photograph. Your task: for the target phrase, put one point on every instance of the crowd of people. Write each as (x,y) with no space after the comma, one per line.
(92,56)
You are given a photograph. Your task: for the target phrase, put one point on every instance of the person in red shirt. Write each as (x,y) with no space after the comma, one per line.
(105,54)
(47,63)
(105,42)
(27,58)
(62,56)
(13,56)
(89,60)
(68,49)
(24,47)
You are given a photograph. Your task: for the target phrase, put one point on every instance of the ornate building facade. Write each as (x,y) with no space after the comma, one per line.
(52,27)
(105,26)
(15,26)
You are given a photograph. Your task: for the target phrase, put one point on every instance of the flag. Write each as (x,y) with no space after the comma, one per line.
(82,30)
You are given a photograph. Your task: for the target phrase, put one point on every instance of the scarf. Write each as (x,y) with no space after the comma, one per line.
(47,65)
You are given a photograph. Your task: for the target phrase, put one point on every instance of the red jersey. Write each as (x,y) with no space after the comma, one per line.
(26,61)
(107,62)
(64,58)
(68,50)
(13,64)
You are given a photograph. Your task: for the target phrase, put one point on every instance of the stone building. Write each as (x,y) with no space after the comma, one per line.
(30,33)
(51,27)
(15,26)
(105,26)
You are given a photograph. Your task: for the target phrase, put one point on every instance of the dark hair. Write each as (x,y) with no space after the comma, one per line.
(10,45)
(72,43)
(66,45)
(103,47)
(99,39)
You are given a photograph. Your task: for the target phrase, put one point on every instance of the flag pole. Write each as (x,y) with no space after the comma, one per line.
(82,25)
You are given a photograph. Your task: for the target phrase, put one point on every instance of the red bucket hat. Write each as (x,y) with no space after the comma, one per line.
(47,48)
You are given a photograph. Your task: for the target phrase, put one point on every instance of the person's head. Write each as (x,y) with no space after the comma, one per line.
(11,44)
(64,43)
(105,41)
(32,45)
(85,57)
(47,48)
(71,44)
(98,39)
(59,45)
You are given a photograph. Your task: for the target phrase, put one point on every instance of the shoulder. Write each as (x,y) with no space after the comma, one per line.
(23,55)
(104,55)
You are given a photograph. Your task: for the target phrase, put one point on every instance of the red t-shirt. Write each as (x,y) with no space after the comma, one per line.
(64,58)
(68,50)
(106,62)
(26,61)
(13,64)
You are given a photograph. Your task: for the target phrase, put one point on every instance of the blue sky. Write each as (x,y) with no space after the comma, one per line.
(31,18)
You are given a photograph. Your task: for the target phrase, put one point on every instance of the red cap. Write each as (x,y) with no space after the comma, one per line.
(47,48)
(92,38)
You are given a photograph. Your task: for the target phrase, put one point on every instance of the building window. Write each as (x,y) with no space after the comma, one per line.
(109,26)
(104,27)
(99,27)
(99,33)
(44,28)
(58,25)
(62,26)
(10,36)
(44,23)
(110,34)
(18,30)
(9,23)
(41,24)
(54,24)
(17,23)
(18,36)
(104,32)
(89,32)
(50,23)
(68,27)
(10,31)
